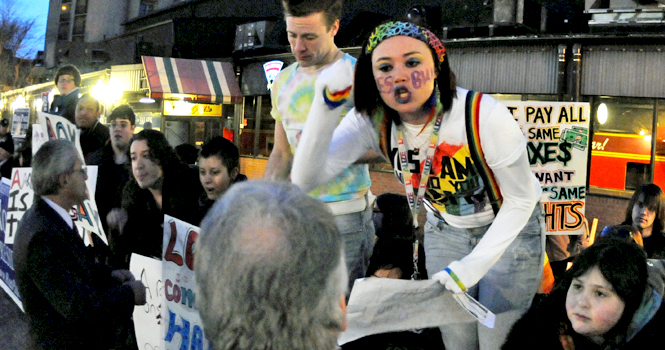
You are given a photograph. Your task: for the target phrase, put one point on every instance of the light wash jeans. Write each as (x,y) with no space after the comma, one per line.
(507,289)
(357,230)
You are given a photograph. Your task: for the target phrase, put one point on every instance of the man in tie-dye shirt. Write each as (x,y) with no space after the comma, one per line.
(311,27)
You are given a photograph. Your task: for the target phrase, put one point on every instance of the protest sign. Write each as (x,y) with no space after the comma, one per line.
(557,136)
(148,318)
(87,215)
(181,326)
(38,137)
(19,201)
(7,274)
(57,127)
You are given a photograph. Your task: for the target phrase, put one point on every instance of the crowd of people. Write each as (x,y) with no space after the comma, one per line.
(80,295)
(287,254)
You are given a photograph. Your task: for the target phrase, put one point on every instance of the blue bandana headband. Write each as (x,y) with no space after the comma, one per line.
(391,29)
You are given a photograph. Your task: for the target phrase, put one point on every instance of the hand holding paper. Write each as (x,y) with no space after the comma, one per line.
(446,279)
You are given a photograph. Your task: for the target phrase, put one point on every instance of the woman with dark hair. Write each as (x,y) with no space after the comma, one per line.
(610,299)
(161,184)
(483,219)
(646,212)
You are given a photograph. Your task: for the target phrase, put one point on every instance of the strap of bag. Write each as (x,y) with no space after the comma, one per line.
(472,119)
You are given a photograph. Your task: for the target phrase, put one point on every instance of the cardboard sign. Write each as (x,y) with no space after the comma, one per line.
(181,327)
(557,136)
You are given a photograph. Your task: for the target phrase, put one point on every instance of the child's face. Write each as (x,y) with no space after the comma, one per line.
(214,176)
(592,305)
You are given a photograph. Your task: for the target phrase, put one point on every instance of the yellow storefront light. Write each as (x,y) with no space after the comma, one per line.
(104,92)
(38,104)
(19,102)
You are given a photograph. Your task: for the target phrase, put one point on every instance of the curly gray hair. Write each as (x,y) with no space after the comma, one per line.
(270,269)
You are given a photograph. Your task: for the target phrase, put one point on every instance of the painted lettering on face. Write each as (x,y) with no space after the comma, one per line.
(420,78)
(385,85)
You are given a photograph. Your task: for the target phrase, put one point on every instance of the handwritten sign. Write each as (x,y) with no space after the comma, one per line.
(148,318)
(7,275)
(87,215)
(557,136)
(19,201)
(182,327)
(58,128)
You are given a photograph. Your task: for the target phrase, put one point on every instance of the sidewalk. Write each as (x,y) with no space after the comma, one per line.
(13,324)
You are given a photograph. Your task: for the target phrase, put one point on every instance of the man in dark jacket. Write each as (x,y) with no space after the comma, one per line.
(67,80)
(94,135)
(114,167)
(71,301)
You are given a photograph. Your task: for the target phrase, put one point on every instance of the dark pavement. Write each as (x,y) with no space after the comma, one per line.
(13,324)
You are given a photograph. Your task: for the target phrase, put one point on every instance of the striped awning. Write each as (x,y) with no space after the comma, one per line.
(202,81)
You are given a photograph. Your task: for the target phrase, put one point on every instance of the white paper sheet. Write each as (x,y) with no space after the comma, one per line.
(381,305)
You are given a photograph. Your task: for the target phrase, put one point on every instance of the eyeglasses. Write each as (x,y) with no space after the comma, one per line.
(122,125)
(65,80)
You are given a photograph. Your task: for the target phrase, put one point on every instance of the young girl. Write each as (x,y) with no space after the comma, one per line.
(482,236)
(609,299)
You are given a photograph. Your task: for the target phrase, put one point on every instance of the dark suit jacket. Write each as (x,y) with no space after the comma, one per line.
(71,301)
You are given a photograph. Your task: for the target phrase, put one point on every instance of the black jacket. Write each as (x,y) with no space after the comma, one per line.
(143,233)
(93,139)
(71,301)
(65,106)
(111,179)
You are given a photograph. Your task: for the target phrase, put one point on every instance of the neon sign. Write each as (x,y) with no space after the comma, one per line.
(271,69)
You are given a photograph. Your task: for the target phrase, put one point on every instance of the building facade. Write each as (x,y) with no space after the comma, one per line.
(607,53)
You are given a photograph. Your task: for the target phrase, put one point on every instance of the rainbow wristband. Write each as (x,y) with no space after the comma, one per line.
(454,277)
(334,100)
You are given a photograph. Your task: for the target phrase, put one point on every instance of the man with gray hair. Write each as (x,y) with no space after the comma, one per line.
(270,269)
(71,301)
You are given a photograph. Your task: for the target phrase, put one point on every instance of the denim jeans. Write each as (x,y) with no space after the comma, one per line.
(357,230)
(506,290)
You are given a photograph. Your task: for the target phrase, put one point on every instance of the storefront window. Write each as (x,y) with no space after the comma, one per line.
(625,115)
(622,142)
(258,127)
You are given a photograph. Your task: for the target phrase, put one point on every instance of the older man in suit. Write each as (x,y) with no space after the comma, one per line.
(71,301)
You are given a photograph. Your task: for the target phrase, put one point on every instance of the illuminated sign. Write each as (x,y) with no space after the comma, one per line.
(182,108)
(271,69)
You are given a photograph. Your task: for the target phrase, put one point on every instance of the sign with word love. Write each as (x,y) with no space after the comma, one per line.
(181,325)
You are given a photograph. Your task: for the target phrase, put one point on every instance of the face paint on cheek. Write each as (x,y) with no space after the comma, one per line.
(385,85)
(416,79)
(419,78)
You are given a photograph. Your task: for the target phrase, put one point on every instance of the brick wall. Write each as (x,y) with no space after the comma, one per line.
(610,210)
(253,168)
(382,182)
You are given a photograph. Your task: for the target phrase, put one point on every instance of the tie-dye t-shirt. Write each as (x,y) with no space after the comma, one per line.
(292,95)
